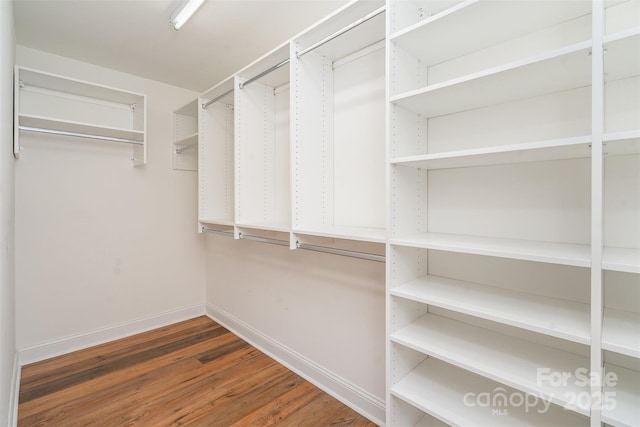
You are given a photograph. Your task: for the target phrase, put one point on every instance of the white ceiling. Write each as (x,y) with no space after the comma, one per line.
(134,36)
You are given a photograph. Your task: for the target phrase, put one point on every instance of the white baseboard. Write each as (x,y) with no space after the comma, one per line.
(15,392)
(99,336)
(351,395)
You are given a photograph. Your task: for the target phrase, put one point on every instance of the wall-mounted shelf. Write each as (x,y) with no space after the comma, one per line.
(439,389)
(185,137)
(505,359)
(563,319)
(627,397)
(54,104)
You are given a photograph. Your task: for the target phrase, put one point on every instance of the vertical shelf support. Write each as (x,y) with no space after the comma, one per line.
(597,165)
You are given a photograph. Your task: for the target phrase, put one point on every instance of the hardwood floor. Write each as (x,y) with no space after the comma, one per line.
(191,373)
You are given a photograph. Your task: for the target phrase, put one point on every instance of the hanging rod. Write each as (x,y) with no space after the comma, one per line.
(217,98)
(341,31)
(219,232)
(343,252)
(264,73)
(181,150)
(264,240)
(80,135)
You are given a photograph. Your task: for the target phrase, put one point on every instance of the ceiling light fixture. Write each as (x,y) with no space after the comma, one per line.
(184,12)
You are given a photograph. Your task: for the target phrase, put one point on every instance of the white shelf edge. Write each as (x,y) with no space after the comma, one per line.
(621,136)
(53,123)
(439,389)
(527,250)
(557,53)
(268,226)
(621,35)
(363,234)
(625,414)
(459,344)
(217,221)
(465,158)
(620,331)
(625,260)
(438,16)
(461,297)
(187,140)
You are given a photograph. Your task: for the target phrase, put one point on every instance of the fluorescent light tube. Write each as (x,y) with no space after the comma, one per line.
(185,13)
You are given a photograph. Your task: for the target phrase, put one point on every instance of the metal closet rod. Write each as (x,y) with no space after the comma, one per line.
(181,150)
(264,240)
(341,31)
(342,252)
(80,135)
(217,98)
(316,45)
(264,73)
(218,232)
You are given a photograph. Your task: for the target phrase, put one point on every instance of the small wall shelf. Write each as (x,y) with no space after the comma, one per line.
(54,104)
(185,137)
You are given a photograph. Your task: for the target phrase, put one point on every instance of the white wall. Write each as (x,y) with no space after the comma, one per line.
(101,245)
(325,309)
(8,368)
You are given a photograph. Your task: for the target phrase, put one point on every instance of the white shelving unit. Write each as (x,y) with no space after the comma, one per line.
(185,137)
(54,104)
(262,161)
(216,171)
(497,249)
(621,210)
(338,144)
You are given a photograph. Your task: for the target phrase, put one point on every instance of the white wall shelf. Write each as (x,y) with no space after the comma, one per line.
(621,332)
(486,24)
(185,137)
(568,148)
(505,359)
(626,396)
(621,259)
(557,253)
(438,389)
(560,70)
(51,103)
(563,319)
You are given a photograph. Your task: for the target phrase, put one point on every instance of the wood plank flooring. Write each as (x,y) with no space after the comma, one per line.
(193,373)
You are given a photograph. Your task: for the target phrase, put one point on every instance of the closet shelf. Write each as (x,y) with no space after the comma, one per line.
(562,69)
(622,57)
(621,259)
(621,332)
(218,221)
(187,140)
(557,149)
(439,389)
(79,127)
(550,316)
(269,226)
(528,250)
(627,397)
(363,234)
(507,360)
(486,23)
(622,143)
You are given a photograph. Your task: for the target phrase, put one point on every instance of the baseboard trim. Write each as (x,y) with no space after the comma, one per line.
(15,392)
(351,395)
(99,336)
